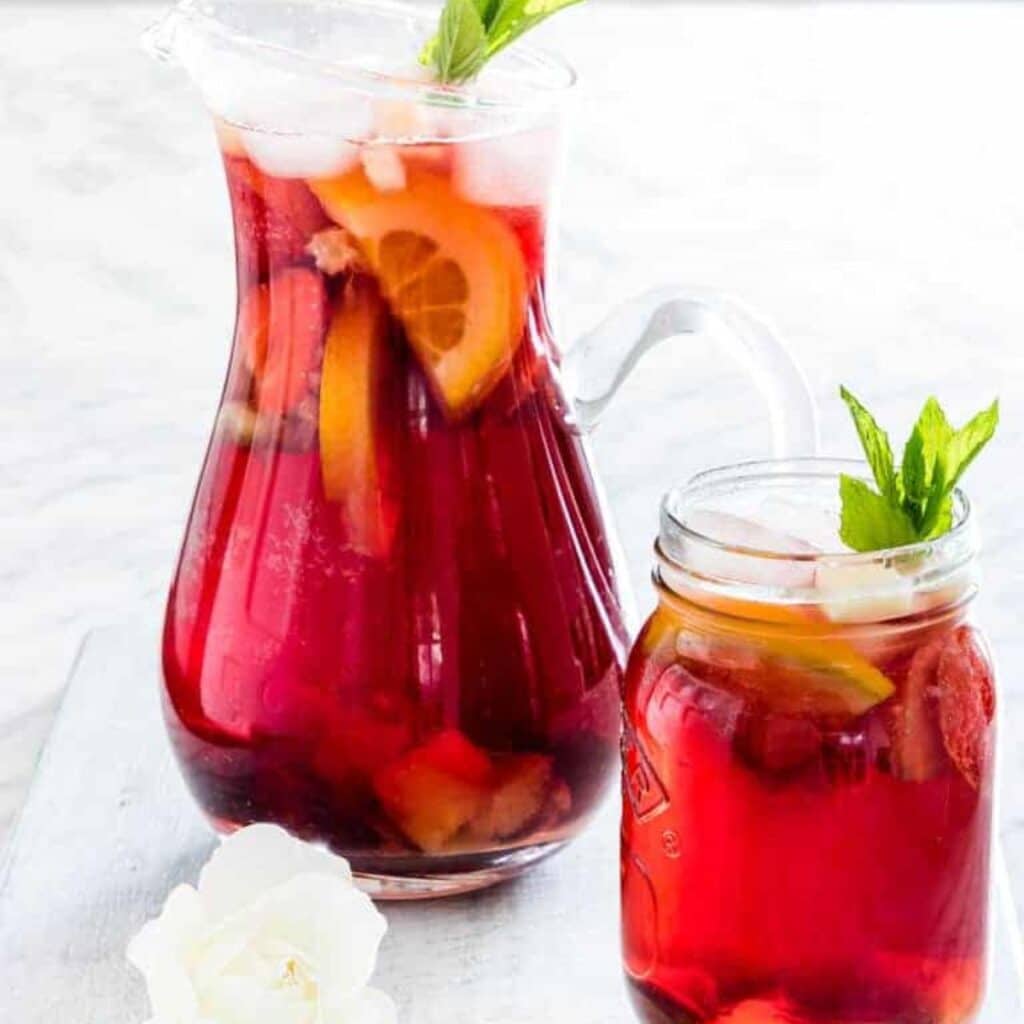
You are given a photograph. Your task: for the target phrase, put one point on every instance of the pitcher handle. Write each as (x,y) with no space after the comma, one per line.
(600,361)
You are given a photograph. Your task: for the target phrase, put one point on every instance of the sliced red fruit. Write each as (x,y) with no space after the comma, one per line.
(281,327)
(967,703)
(913,719)
(274,218)
(435,790)
(520,792)
(354,365)
(777,745)
(453,274)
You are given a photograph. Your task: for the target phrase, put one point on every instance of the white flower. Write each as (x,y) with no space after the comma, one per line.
(275,933)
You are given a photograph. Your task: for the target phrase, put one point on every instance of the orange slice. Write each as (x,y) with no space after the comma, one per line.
(453,274)
(349,389)
(798,663)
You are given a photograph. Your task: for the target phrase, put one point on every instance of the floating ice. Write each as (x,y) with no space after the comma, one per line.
(384,168)
(508,170)
(863,592)
(766,568)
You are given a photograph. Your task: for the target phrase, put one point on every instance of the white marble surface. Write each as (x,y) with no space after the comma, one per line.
(854,172)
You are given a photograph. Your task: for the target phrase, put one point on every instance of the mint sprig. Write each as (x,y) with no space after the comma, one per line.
(914,503)
(471,32)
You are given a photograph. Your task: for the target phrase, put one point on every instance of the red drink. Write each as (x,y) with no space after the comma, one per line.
(394,626)
(808,793)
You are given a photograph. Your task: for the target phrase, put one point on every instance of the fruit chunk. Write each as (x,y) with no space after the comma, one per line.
(759,1011)
(281,326)
(913,719)
(966,702)
(777,745)
(519,795)
(435,790)
(452,272)
(274,218)
(350,385)
(335,251)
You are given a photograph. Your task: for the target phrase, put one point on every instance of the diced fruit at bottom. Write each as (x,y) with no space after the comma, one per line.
(435,790)
(518,798)
(758,1011)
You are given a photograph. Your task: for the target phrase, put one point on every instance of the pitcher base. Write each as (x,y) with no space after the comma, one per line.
(388,881)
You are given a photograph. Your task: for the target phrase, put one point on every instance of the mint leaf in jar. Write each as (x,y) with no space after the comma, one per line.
(916,503)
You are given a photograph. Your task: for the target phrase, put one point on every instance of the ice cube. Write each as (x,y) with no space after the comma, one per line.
(863,592)
(510,170)
(384,168)
(299,156)
(737,532)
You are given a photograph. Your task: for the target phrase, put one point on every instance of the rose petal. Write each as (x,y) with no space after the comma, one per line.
(160,951)
(255,859)
(329,923)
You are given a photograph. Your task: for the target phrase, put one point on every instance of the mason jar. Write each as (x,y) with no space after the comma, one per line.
(808,764)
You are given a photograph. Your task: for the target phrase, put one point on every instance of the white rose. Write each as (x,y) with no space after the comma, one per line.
(275,933)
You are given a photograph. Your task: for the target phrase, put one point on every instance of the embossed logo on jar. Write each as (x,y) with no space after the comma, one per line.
(647,795)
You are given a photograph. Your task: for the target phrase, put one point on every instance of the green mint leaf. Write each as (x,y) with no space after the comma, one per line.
(875,442)
(514,17)
(459,50)
(915,504)
(473,31)
(869,522)
(963,448)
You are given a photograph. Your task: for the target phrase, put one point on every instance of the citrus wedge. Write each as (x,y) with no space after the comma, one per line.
(452,273)
(798,664)
(349,389)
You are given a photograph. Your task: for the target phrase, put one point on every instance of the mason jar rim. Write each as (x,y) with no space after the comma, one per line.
(692,561)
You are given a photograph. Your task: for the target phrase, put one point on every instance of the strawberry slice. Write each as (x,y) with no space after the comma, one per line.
(274,218)
(913,719)
(967,703)
(281,327)
(435,790)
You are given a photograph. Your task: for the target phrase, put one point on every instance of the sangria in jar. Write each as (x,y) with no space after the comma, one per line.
(808,765)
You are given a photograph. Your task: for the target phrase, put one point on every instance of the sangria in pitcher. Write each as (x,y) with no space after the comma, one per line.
(396,625)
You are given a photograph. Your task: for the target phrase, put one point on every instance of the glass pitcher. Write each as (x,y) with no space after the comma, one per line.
(396,624)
